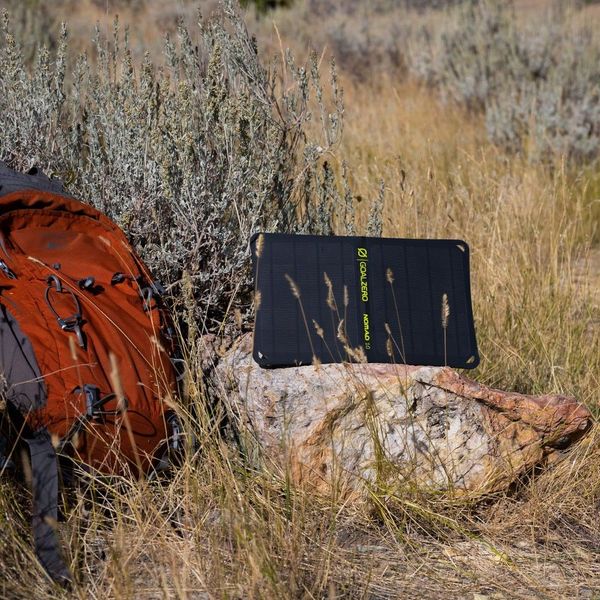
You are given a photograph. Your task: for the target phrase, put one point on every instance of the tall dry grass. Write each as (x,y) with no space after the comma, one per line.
(531,228)
(219,528)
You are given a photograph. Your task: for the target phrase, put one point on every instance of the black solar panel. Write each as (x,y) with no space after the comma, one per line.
(333,298)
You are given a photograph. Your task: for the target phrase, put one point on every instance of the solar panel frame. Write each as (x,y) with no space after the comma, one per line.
(387,293)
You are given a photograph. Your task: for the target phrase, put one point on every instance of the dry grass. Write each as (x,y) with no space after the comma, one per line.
(531,229)
(221,529)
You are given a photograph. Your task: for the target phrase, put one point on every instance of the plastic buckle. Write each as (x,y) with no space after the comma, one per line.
(86,283)
(72,323)
(94,403)
(92,399)
(117,278)
(176,432)
(154,290)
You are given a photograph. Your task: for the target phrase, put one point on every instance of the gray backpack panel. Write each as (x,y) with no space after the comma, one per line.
(34,179)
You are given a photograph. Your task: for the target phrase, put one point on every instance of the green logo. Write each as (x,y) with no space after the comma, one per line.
(363,269)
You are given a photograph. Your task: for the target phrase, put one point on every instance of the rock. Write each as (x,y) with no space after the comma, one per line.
(351,424)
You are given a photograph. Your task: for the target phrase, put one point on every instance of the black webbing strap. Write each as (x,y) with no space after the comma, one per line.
(26,394)
(44,480)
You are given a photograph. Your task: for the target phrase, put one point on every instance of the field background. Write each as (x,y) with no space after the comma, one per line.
(422,152)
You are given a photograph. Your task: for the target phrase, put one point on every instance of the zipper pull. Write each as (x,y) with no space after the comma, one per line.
(7,270)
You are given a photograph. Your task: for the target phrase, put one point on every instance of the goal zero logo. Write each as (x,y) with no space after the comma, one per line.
(363,269)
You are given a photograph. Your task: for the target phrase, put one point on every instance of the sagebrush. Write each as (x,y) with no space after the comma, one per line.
(536,82)
(532,73)
(190,158)
(224,528)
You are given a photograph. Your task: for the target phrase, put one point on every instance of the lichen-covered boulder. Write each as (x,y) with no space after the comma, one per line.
(351,424)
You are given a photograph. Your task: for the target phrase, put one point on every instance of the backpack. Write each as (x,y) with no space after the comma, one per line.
(86,347)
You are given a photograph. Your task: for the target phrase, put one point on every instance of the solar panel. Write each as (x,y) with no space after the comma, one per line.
(334,299)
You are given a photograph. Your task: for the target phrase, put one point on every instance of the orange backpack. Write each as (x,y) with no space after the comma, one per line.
(86,346)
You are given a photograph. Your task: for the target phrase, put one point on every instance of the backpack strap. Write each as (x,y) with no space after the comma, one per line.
(44,484)
(27,393)
(44,481)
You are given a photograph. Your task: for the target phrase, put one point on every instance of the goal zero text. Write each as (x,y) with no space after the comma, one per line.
(363,261)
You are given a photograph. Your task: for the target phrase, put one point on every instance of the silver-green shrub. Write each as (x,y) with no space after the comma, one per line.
(538,83)
(190,158)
